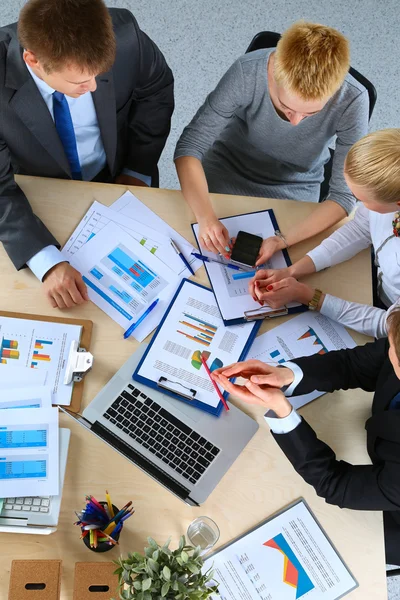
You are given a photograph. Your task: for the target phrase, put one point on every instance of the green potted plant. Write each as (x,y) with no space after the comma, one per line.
(163,574)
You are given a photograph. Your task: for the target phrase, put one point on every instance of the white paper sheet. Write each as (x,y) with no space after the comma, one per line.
(287,558)
(193,327)
(16,377)
(41,346)
(130,206)
(232,294)
(123,278)
(307,334)
(29,451)
(98,216)
(27,397)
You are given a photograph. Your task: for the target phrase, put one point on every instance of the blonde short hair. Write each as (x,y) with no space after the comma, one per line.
(374,163)
(311,60)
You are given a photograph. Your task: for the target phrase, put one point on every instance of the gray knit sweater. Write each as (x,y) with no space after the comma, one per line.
(247,149)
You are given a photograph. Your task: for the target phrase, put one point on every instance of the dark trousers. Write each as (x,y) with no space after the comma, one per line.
(104,176)
(392,539)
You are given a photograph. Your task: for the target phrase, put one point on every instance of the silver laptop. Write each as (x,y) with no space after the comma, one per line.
(30,514)
(185,449)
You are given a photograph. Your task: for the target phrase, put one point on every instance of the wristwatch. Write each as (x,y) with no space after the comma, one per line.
(313,304)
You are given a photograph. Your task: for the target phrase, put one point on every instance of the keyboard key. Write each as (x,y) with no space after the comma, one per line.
(45,502)
(179,470)
(189,470)
(17,507)
(119,418)
(156,427)
(36,502)
(44,509)
(107,416)
(168,435)
(189,442)
(26,508)
(125,430)
(185,475)
(170,456)
(126,423)
(192,480)
(145,437)
(145,409)
(135,393)
(202,441)
(124,403)
(170,427)
(148,402)
(203,461)
(112,412)
(19,501)
(35,509)
(146,428)
(176,431)
(151,413)
(209,456)
(130,386)
(113,421)
(195,436)
(157,418)
(143,396)
(8,506)
(214,451)
(175,440)
(149,421)
(145,445)
(194,454)
(208,446)
(164,451)
(157,445)
(191,462)
(196,475)
(182,446)
(176,422)
(165,459)
(28,501)
(11,500)
(182,436)
(164,423)
(178,452)
(185,457)
(159,438)
(152,449)
(137,412)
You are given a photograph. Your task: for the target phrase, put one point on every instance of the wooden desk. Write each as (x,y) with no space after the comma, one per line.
(262,479)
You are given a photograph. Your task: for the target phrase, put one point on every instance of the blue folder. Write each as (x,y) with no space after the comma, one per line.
(214,411)
(239,320)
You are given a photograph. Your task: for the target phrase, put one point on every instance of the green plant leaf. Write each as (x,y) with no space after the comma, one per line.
(137,584)
(146,584)
(167,573)
(193,568)
(156,555)
(182,542)
(165,589)
(152,543)
(153,564)
(184,556)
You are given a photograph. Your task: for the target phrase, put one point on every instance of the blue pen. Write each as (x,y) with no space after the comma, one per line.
(132,328)
(183,259)
(220,262)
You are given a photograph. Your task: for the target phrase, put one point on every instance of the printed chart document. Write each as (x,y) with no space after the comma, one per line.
(29,451)
(130,206)
(307,334)
(15,377)
(123,278)
(98,216)
(231,287)
(288,557)
(27,397)
(41,346)
(193,328)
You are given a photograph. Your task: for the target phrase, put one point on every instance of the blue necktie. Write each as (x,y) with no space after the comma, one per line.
(395,402)
(65,129)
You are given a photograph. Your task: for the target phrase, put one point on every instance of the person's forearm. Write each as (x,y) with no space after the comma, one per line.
(194,187)
(327,214)
(302,267)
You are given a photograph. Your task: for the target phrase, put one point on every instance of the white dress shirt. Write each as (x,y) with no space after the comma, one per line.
(366,228)
(92,158)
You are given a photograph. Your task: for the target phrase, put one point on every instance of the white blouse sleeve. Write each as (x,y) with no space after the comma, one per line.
(344,243)
(360,317)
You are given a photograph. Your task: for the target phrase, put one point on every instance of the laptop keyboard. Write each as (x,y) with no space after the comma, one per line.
(29,504)
(158,431)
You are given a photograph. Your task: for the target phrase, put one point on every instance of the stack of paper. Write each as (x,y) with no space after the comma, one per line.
(29,445)
(126,259)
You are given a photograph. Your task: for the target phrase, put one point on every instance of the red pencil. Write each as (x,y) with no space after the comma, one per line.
(220,396)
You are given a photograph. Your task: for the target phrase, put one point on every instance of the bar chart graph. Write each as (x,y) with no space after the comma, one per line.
(197,330)
(40,353)
(8,350)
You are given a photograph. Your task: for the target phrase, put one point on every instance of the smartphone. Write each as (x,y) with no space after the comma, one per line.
(246,249)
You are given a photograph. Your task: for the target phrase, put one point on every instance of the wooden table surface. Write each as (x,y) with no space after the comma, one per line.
(261,481)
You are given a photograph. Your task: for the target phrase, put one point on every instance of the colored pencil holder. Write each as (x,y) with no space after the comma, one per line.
(103,546)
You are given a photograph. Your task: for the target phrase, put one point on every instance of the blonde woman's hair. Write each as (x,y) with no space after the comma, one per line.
(374,163)
(311,60)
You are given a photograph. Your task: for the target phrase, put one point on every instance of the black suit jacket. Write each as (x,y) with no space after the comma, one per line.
(134,103)
(374,486)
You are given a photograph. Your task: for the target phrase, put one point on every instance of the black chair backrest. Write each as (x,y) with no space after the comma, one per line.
(269,39)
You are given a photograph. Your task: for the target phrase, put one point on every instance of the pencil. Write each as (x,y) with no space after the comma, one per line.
(220,396)
(109,504)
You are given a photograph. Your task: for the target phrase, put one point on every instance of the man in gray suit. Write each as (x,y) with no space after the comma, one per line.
(84,94)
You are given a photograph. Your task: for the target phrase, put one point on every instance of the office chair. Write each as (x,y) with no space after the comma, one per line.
(269,39)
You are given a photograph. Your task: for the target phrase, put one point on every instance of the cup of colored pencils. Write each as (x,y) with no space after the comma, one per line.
(101,523)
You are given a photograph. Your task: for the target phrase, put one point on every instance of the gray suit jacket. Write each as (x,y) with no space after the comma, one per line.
(134,103)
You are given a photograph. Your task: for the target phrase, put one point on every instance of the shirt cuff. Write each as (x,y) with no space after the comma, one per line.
(283,425)
(298,376)
(44,260)
(321,257)
(145,178)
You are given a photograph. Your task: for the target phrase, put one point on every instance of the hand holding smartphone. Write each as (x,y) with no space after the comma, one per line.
(246,249)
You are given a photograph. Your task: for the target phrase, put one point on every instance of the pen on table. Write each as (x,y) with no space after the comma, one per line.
(205,365)
(132,328)
(220,262)
(183,259)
